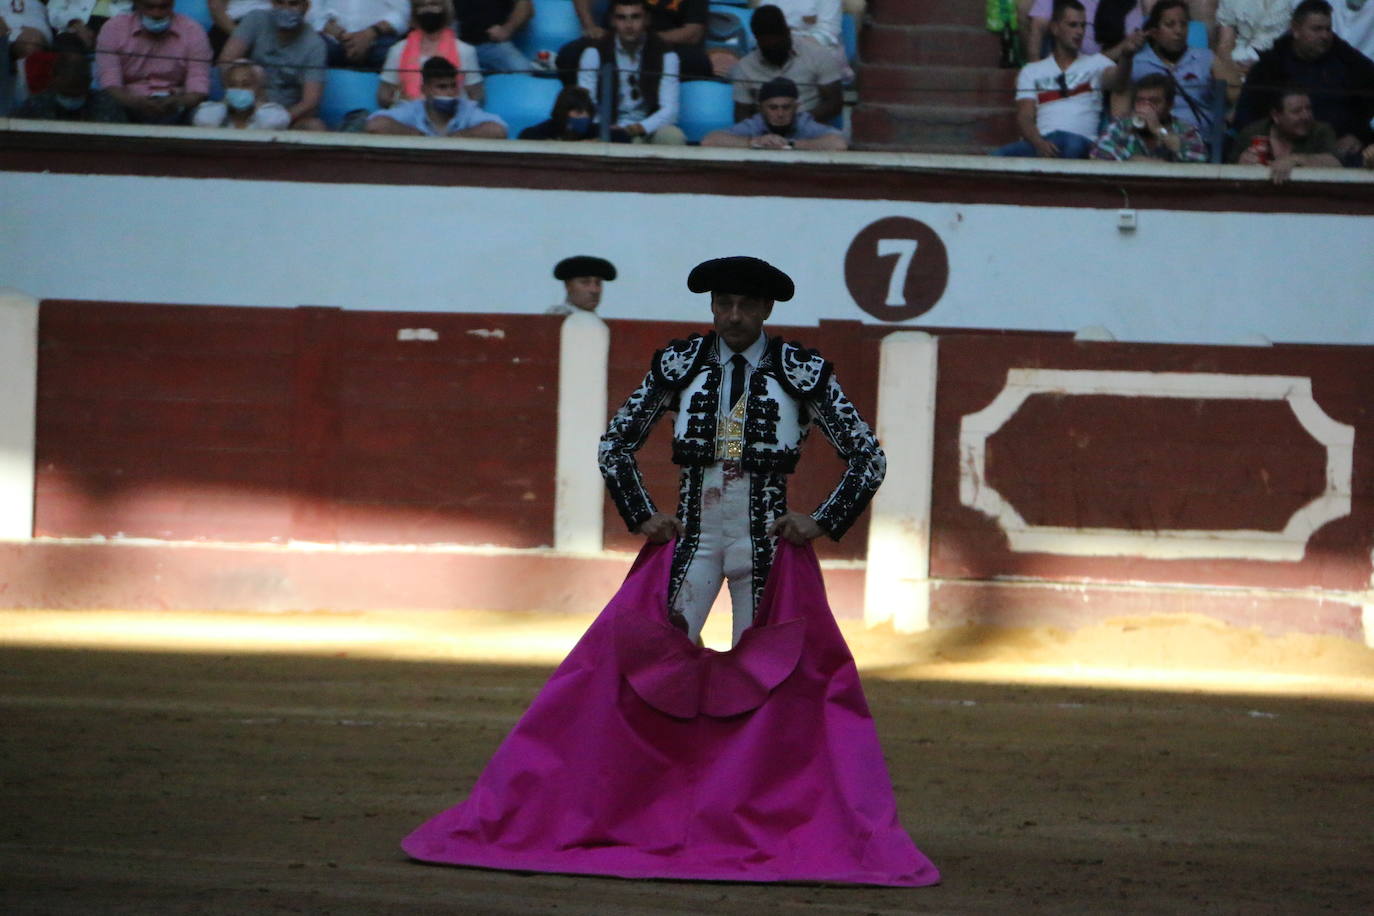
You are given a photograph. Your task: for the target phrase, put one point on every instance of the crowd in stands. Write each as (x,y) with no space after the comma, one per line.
(1284,83)
(1258,82)
(267,64)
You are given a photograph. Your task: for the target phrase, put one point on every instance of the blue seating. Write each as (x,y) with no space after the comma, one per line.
(1197,34)
(520,99)
(553,25)
(345,91)
(849,37)
(727,26)
(198,10)
(706,105)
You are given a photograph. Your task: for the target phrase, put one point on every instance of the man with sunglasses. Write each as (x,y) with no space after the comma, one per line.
(643,75)
(1059,99)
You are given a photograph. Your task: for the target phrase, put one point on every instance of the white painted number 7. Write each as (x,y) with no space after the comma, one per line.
(905,250)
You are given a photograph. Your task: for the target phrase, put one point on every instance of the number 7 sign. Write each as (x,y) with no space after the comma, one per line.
(896,268)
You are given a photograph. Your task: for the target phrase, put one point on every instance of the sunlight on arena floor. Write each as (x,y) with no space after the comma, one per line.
(1173,654)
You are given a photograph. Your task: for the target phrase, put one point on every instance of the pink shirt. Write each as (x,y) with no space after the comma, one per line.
(178,60)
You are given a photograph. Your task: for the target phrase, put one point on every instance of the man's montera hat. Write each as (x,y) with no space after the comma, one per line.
(583,265)
(744,275)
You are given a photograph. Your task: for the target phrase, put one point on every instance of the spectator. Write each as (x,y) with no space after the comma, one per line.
(1339,79)
(1153,129)
(1245,28)
(1059,99)
(818,21)
(680,24)
(1353,20)
(292,57)
(573,118)
(359,33)
(1166,52)
(24,23)
(779,124)
(1291,137)
(154,62)
(1367,157)
(813,70)
(79,17)
(489,26)
(644,80)
(225,16)
(442,112)
(69,96)
(432,35)
(246,105)
(583,278)
(1107,23)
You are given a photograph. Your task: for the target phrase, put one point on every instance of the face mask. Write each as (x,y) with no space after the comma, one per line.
(430,21)
(287,19)
(446,105)
(71,102)
(239,99)
(579,126)
(156,26)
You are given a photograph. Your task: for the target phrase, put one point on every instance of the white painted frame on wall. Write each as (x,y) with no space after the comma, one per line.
(579,495)
(897,577)
(1287,545)
(18,412)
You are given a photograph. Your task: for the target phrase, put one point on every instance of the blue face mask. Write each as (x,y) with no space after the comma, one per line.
(239,99)
(71,102)
(579,126)
(287,19)
(446,105)
(156,26)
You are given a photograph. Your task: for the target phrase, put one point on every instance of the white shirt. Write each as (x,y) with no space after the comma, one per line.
(61,12)
(356,15)
(26,14)
(827,13)
(1355,26)
(470,76)
(1257,23)
(633,111)
(266,116)
(1079,111)
(752,354)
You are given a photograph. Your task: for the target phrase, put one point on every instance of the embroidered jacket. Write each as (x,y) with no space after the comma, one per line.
(791,389)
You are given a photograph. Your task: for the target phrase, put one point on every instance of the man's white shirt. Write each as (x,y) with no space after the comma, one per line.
(1076,110)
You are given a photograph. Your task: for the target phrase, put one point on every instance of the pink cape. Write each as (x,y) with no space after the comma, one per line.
(645,756)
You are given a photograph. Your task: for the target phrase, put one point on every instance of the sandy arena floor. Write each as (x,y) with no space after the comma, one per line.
(230,764)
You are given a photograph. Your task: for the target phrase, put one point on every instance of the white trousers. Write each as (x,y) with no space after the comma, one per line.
(724,552)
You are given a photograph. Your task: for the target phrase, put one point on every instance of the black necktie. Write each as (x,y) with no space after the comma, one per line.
(737,369)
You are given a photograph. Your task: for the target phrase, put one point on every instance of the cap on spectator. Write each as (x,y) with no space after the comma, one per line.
(768,20)
(744,275)
(777,87)
(583,265)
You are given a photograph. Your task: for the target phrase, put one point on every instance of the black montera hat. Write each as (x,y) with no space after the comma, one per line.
(583,265)
(740,274)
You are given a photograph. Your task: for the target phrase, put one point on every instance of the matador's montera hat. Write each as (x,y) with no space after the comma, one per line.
(583,265)
(744,275)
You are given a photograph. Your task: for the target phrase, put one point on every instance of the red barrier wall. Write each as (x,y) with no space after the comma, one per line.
(310,424)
